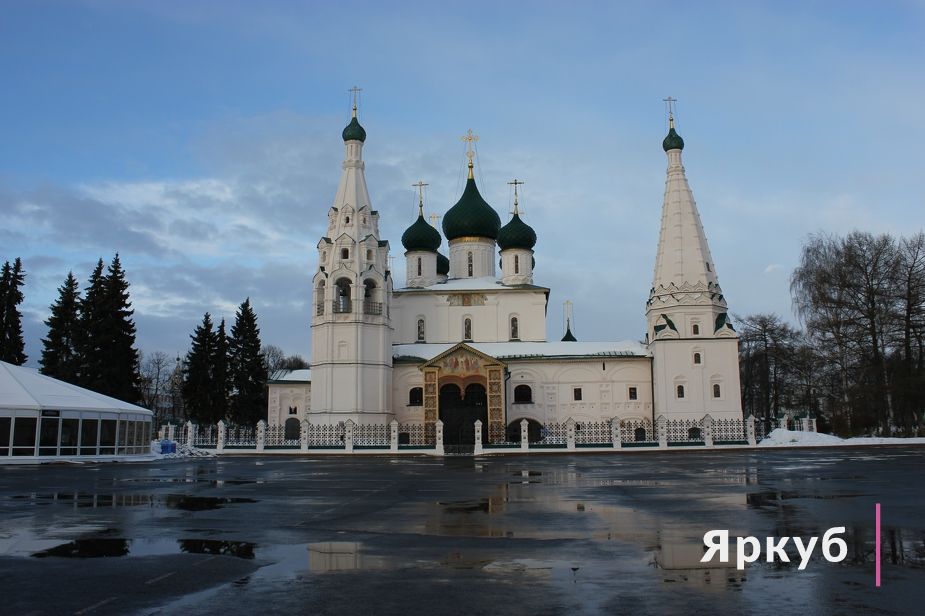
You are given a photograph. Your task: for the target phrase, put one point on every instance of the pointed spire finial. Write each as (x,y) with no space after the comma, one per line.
(420,186)
(670,103)
(470,138)
(355,91)
(515,184)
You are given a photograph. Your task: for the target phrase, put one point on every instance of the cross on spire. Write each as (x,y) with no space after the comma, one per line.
(420,186)
(470,138)
(433,219)
(670,102)
(355,91)
(515,184)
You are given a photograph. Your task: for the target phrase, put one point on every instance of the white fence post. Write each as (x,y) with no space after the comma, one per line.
(261,435)
(190,434)
(524,434)
(805,422)
(615,433)
(393,435)
(171,431)
(661,426)
(303,436)
(348,435)
(220,443)
(570,434)
(750,430)
(438,445)
(478,437)
(162,433)
(708,430)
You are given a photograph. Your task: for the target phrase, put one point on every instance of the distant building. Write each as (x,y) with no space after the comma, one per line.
(461,342)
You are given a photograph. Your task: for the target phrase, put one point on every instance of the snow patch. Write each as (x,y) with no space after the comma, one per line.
(792,438)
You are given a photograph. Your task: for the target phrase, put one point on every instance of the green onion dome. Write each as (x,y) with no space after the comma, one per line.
(673,141)
(443,265)
(421,236)
(354,132)
(471,216)
(516,234)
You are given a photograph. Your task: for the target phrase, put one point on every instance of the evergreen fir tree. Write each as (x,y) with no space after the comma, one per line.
(12,343)
(220,373)
(89,338)
(248,370)
(198,389)
(60,358)
(122,371)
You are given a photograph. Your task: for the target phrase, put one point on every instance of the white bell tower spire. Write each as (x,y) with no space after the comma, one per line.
(351,326)
(693,344)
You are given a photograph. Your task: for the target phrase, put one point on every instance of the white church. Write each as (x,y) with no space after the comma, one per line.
(463,342)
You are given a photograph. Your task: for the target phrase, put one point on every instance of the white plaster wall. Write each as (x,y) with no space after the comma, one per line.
(673,364)
(428,268)
(284,395)
(524,268)
(490,323)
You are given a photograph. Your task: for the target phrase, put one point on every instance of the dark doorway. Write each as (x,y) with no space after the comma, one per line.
(458,412)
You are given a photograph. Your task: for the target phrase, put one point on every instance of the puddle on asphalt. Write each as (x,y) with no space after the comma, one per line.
(468,506)
(183,502)
(108,547)
(773,497)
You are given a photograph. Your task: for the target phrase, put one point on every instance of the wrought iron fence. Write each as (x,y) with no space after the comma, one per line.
(206,436)
(240,436)
(593,433)
(684,430)
(636,431)
(372,434)
(276,437)
(729,430)
(553,433)
(415,434)
(325,435)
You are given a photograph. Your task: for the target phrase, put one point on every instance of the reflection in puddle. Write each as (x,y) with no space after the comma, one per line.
(183,502)
(773,497)
(483,505)
(106,547)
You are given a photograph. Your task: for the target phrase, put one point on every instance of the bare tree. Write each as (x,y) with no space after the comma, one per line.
(155,377)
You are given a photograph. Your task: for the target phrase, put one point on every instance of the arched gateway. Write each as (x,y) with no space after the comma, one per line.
(462,385)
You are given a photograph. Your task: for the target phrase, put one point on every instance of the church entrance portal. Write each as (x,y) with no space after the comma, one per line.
(459,410)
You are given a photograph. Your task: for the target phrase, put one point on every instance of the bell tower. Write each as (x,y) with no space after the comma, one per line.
(695,354)
(352,288)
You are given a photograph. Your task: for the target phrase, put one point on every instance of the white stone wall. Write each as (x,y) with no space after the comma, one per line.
(284,395)
(483,257)
(523,272)
(673,365)
(443,322)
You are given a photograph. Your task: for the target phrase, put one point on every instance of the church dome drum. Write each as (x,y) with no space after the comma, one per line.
(443,265)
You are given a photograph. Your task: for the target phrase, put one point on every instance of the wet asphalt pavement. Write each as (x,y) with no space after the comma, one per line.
(557,534)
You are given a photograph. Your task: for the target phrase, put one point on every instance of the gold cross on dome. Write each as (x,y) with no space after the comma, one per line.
(420,186)
(515,184)
(470,138)
(355,91)
(670,102)
(433,219)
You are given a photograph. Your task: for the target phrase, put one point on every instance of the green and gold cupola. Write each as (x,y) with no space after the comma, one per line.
(421,242)
(516,240)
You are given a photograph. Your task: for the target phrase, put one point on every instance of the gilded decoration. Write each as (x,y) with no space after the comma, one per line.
(466,299)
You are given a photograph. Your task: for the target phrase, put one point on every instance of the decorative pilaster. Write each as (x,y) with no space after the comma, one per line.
(222,434)
(661,427)
(708,431)
(393,435)
(261,435)
(348,436)
(570,434)
(438,446)
(524,434)
(615,433)
(478,437)
(303,436)
(750,430)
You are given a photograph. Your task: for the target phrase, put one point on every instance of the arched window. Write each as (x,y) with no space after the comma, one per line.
(680,391)
(716,390)
(419,266)
(693,434)
(639,434)
(370,305)
(344,253)
(697,358)
(346,220)
(695,329)
(292,429)
(369,255)
(523,394)
(467,329)
(416,396)
(420,330)
(516,264)
(515,329)
(342,299)
(469,263)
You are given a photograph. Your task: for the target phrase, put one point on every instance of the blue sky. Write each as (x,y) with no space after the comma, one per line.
(201,140)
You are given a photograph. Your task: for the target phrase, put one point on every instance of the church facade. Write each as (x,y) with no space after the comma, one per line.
(463,341)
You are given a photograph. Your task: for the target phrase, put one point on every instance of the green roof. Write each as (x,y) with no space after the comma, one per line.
(471,216)
(421,236)
(673,141)
(353,131)
(516,234)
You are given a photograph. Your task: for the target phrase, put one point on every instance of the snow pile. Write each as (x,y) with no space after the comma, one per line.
(784,438)
(183,451)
